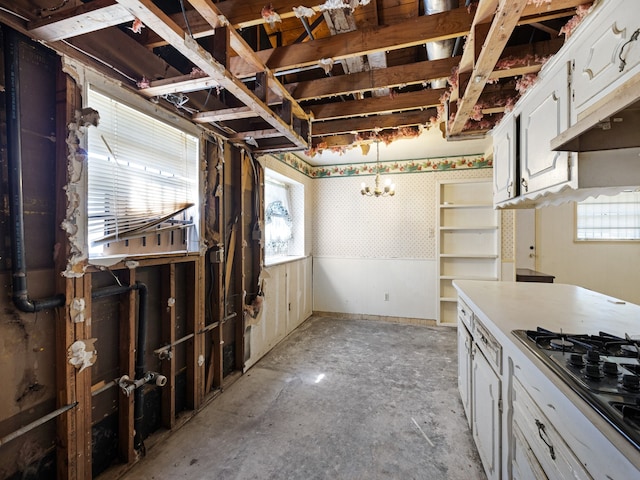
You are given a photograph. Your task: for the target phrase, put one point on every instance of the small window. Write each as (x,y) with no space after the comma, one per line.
(283,217)
(143,181)
(609,218)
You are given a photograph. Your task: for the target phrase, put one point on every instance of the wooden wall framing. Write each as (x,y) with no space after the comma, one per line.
(210,289)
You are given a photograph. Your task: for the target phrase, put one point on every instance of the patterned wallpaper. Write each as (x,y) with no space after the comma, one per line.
(343,223)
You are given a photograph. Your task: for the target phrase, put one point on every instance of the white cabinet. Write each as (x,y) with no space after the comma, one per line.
(604,52)
(464,368)
(485,405)
(544,115)
(479,383)
(468,239)
(505,159)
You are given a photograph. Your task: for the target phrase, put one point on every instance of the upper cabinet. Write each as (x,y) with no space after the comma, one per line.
(604,53)
(532,164)
(544,115)
(505,171)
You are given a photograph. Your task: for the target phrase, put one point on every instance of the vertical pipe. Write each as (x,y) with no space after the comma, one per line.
(138,412)
(20,293)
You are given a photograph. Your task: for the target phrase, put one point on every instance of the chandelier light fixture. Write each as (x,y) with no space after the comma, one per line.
(389,189)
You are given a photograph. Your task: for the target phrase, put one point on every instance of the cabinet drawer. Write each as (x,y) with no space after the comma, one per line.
(553,455)
(488,345)
(465,314)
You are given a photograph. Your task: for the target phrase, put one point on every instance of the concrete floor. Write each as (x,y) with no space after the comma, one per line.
(337,399)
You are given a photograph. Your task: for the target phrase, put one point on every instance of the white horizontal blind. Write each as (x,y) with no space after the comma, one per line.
(141,172)
(609,217)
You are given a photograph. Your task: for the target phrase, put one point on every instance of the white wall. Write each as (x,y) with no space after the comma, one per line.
(612,268)
(364,247)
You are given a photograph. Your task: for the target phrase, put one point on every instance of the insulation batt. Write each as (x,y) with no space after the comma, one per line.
(303,12)
(270,15)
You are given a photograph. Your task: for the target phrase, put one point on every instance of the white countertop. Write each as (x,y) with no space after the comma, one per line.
(506,306)
(572,309)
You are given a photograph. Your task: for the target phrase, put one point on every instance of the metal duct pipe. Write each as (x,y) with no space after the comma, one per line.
(20,293)
(441,48)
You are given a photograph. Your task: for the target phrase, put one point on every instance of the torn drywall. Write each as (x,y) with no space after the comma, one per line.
(82,354)
(77,310)
(74,223)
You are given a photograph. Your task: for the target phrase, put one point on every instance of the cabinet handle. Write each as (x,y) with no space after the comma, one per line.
(542,431)
(525,185)
(509,189)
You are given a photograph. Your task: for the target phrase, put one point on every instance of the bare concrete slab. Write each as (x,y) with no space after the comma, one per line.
(337,399)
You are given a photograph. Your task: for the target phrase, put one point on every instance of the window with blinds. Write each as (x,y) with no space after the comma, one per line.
(142,183)
(614,217)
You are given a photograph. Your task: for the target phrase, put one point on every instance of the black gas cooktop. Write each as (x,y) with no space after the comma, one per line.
(603,369)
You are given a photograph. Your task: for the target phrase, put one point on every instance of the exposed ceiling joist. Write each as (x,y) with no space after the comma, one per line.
(158,21)
(400,75)
(379,105)
(505,20)
(377,122)
(211,14)
(86,18)
(223,115)
(417,31)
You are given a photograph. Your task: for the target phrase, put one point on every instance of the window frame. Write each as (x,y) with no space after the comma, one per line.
(172,121)
(592,200)
(296,194)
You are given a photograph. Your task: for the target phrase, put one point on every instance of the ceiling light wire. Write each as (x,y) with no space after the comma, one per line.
(186,21)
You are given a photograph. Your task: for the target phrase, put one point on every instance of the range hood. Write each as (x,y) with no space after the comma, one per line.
(612,123)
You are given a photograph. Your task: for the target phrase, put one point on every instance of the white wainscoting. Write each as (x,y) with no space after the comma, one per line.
(287,303)
(358,286)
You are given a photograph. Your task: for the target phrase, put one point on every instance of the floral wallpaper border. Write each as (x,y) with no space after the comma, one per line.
(437,164)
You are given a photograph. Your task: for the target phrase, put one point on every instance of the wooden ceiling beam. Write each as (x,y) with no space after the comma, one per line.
(389,77)
(99,14)
(85,18)
(417,31)
(256,135)
(223,115)
(379,105)
(361,82)
(239,13)
(377,122)
(505,20)
(212,14)
(531,14)
(157,20)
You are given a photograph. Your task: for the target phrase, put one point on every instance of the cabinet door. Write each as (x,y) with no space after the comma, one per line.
(544,116)
(600,49)
(485,405)
(504,160)
(464,369)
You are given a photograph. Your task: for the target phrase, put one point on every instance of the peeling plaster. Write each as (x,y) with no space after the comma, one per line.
(82,353)
(77,310)
(131,264)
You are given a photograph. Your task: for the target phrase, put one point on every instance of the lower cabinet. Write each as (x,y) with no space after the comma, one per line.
(486,408)
(539,451)
(479,367)
(464,368)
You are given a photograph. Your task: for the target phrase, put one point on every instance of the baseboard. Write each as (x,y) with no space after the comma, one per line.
(378,318)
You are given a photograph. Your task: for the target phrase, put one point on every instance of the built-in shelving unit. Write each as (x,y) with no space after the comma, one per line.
(467,240)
